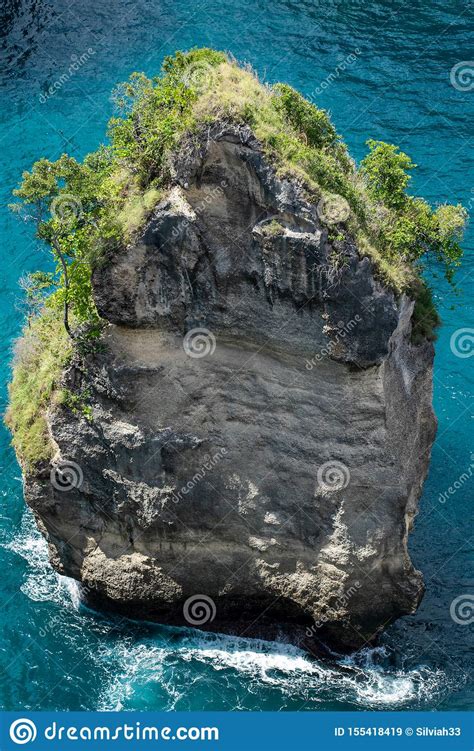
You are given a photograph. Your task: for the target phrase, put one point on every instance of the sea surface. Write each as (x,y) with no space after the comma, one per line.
(402,86)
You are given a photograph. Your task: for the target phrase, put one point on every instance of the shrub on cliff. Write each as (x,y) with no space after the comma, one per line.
(411,228)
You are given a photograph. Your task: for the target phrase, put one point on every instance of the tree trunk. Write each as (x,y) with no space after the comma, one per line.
(66,290)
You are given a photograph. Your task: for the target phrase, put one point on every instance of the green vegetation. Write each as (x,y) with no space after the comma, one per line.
(305,117)
(425,316)
(63,199)
(39,359)
(387,170)
(272,229)
(84,211)
(411,228)
(77,402)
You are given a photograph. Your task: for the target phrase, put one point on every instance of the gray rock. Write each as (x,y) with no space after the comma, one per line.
(269,462)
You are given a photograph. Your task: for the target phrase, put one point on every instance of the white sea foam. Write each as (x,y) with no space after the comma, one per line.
(41,583)
(172,666)
(72,588)
(244,666)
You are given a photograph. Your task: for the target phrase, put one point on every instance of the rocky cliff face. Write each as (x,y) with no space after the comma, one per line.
(261,423)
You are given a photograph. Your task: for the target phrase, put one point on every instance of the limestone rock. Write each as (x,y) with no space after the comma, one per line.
(261,422)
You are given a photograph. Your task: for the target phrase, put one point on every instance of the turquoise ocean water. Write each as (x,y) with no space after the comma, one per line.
(399,87)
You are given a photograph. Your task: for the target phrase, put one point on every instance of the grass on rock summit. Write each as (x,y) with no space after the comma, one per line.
(83,211)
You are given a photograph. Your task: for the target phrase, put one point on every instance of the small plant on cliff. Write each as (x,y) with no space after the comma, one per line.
(410,228)
(272,229)
(312,122)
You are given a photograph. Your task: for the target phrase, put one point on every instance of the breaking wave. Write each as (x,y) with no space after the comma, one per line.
(272,674)
(40,582)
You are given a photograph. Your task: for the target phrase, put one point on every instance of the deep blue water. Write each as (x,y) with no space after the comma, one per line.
(53,654)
